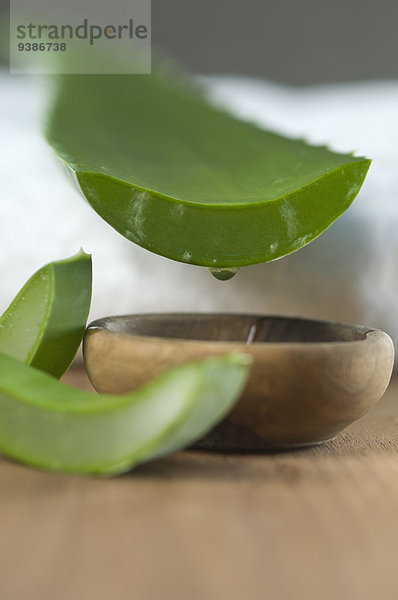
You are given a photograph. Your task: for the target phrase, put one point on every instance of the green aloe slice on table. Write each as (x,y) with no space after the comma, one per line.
(187,181)
(44,324)
(46,423)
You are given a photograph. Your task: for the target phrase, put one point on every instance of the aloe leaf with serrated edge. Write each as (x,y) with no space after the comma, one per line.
(44,324)
(46,423)
(187,181)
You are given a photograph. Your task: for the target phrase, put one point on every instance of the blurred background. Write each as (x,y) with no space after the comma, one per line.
(323,70)
(304,42)
(310,41)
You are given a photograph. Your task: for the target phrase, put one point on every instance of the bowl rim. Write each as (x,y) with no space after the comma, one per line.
(369,334)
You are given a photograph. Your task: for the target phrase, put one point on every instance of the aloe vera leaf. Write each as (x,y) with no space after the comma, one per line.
(190,182)
(44,324)
(46,423)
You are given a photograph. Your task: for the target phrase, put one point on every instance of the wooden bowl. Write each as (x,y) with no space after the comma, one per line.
(309,379)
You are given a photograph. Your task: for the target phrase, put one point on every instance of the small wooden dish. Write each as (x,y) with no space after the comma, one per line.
(309,379)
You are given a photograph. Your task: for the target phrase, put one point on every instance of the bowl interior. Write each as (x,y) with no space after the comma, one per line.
(232,328)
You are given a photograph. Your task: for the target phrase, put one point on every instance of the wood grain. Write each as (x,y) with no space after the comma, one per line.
(315,524)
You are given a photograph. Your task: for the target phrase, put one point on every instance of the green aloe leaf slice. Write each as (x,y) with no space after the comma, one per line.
(187,181)
(46,423)
(44,324)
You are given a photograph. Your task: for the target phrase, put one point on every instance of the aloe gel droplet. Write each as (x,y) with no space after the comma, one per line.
(223,274)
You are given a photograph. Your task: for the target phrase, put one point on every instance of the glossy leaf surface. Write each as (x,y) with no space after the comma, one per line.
(46,423)
(182,179)
(44,324)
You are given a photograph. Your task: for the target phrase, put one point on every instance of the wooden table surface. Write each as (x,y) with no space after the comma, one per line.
(315,524)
